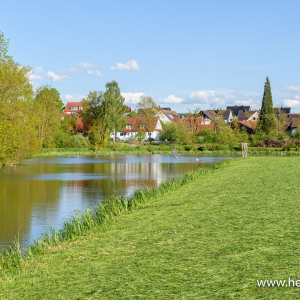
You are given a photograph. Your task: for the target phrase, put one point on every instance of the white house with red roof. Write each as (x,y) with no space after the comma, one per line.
(135,124)
(73,108)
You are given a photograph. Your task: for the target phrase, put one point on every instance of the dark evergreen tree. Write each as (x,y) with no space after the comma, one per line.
(266,120)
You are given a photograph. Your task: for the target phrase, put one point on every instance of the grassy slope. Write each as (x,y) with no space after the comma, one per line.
(211,239)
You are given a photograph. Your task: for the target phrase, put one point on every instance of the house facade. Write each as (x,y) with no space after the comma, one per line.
(135,124)
(73,108)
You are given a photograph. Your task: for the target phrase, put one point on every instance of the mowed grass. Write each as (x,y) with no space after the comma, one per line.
(210,239)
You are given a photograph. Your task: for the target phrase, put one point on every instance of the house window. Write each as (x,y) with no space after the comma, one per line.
(121,133)
(143,126)
(129,126)
(254,119)
(71,108)
(80,107)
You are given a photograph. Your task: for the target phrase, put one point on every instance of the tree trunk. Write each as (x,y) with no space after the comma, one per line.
(114,134)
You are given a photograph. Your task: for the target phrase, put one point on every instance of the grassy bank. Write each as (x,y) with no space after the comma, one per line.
(208,239)
(165,149)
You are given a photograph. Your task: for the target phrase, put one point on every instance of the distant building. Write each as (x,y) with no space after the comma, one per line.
(135,124)
(73,108)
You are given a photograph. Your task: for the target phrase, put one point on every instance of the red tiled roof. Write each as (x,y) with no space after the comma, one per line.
(249,124)
(137,122)
(72,104)
(295,123)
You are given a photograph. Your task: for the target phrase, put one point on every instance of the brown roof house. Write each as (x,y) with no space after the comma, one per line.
(210,116)
(152,128)
(73,108)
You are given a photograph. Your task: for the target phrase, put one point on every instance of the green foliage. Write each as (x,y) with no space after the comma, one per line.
(170,132)
(132,114)
(208,135)
(150,148)
(266,120)
(48,113)
(79,141)
(62,140)
(188,147)
(18,136)
(140,136)
(113,108)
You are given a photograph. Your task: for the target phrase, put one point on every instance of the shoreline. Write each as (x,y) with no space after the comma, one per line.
(13,257)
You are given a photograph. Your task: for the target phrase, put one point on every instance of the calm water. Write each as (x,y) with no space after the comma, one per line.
(44,191)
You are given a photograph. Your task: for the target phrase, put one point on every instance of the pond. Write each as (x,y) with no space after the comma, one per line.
(42,192)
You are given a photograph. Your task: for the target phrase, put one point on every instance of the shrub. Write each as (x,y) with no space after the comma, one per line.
(150,148)
(79,141)
(188,147)
(62,140)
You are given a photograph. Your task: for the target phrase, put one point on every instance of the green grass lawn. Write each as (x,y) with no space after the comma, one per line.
(210,239)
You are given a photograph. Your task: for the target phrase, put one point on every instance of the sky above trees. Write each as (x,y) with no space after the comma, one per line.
(185,54)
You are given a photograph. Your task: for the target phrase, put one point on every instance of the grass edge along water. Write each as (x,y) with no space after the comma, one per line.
(13,257)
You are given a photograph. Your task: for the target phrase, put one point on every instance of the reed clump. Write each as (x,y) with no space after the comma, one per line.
(13,257)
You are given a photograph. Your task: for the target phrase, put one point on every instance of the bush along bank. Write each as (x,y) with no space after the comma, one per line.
(15,256)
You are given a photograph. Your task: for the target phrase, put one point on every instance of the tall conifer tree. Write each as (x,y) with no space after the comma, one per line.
(266,120)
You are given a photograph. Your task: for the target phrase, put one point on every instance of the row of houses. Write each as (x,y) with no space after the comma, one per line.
(152,127)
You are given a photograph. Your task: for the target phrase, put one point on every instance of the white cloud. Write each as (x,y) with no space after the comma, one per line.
(94,73)
(234,70)
(129,66)
(132,98)
(39,70)
(54,77)
(69,98)
(293,103)
(33,76)
(172,100)
(291,89)
(86,65)
(211,98)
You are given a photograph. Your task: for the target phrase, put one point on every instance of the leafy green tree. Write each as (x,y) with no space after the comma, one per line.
(113,108)
(140,136)
(48,111)
(132,114)
(93,118)
(79,141)
(208,135)
(147,109)
(266,120)
(18,136)
(170,132)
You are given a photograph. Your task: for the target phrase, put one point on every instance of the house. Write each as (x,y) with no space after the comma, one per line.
(165,114)
(73,108)
(135,124)
(235,109)
(169,113)
(210,116)
(293,125)
(193,123)
(250,126)
(248,115)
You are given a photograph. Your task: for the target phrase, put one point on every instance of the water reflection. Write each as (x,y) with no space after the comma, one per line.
(44,191)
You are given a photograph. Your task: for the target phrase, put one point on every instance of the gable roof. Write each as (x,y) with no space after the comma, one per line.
(73,104)
(137,122)
(171,113)
(295,123)
(235,109)
(248,125)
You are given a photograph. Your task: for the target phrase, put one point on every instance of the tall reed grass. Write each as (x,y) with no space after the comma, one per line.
(14,257)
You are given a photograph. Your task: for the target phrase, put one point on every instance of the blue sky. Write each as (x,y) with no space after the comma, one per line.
(185,54)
